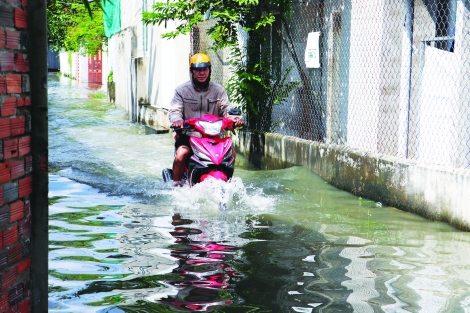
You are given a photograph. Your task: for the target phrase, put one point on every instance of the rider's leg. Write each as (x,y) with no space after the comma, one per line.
(181,156)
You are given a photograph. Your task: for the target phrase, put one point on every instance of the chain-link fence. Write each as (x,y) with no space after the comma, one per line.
(384,76)
(200,42)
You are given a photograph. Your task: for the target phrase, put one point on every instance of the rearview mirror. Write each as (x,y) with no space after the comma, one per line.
(235,111)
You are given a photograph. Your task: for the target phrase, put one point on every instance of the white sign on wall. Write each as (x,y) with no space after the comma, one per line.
(312,51)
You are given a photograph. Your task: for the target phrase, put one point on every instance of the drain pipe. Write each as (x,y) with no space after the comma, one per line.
(409,19)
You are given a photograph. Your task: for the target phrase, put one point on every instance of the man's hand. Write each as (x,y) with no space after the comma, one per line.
(238,122)
(177,124)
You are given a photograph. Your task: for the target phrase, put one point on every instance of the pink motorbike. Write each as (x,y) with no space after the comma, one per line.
(213,154)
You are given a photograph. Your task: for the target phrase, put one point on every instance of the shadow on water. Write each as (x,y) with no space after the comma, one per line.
(121,240)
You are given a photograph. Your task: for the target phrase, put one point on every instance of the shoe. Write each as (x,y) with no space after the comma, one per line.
(178,183)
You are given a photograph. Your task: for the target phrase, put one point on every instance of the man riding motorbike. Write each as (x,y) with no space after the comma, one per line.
(195,98)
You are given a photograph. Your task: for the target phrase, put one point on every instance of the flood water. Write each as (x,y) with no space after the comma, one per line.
(121,240)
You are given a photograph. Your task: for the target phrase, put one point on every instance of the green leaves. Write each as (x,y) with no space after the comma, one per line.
(266,20)
(74,25)
(256,88)
(227,14)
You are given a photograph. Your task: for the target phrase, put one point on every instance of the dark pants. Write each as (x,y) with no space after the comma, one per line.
(182,140)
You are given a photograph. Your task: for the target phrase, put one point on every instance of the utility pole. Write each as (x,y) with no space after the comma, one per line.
(37,56)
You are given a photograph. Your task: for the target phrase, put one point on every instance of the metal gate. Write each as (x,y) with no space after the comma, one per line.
(95,69)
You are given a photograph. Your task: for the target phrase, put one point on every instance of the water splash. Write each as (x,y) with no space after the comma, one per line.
(216,195)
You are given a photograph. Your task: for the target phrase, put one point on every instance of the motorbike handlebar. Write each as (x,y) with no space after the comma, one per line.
(190,125)
(179,130)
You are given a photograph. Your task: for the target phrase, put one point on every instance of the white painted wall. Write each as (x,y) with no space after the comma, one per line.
(364,71)
(64,64)
(78,67)
(166,60)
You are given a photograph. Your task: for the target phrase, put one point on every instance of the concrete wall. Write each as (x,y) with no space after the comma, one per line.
(440,102)
(435,192)
(146,67)
(77,68)
(377,86)
(65,68)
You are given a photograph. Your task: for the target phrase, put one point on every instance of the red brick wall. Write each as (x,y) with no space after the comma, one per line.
(15,159)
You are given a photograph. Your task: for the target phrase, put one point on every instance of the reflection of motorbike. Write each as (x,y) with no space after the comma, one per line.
(204,278)
(213,154)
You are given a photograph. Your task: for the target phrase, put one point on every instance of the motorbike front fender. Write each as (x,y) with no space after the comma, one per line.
(215,174)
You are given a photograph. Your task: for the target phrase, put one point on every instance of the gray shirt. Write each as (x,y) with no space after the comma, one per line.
(190,103)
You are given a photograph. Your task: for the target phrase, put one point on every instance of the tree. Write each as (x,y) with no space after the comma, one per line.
(75,25)
(253,85)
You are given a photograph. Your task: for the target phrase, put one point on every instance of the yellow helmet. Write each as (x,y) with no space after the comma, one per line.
(199,60)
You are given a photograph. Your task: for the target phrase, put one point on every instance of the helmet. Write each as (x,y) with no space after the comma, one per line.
(199,60)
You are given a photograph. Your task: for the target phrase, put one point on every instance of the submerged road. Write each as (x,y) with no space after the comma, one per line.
(121,240)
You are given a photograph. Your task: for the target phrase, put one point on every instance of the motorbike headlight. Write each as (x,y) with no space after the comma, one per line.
(213,129)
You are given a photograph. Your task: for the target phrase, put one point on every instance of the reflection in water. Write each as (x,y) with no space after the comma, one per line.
(361,280)
(203,276)
(108,258)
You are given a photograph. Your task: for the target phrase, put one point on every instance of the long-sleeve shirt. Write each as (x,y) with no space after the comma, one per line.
(190,103)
